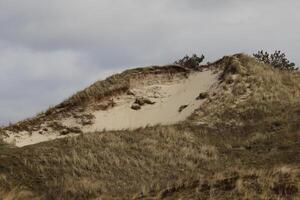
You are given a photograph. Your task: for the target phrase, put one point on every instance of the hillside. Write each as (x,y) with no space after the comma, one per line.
(228,130)
(133,99)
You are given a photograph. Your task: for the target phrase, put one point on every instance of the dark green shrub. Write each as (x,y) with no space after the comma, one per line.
(190,62)
(277,60)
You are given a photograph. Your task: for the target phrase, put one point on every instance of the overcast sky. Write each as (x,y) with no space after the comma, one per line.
(51,49)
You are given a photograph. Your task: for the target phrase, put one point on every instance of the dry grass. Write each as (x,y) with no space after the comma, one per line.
(248,148)
(118,83)
(153,161)
(250,92)
(274,183)
(90,162)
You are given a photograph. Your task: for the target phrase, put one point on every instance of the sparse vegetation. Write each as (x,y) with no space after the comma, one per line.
(278,60)
(2,144)
(181,108)
(104,105)
(202,95)
(135,106)
(192,62)
(142,101)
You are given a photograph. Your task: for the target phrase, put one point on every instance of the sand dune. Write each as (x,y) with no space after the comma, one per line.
(167,96)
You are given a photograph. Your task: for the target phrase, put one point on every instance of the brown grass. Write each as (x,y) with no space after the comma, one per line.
(253,93)
(149,161)
(248,148)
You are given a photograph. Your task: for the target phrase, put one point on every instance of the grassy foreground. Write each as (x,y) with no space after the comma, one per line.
(243,143)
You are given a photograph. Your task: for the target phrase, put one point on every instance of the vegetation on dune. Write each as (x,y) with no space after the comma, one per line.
(277,60)
(250,90)
(158,162)
(118,83)
(242,143)
(193,62)
(2,144)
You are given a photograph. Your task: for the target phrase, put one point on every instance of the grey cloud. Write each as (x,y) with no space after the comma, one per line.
(50,49)
(31,81)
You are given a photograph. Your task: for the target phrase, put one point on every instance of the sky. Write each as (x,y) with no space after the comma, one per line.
(51,49)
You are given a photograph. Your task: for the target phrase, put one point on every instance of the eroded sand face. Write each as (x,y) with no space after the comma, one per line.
(168,96)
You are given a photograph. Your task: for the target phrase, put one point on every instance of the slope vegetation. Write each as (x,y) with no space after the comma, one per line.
(241,142)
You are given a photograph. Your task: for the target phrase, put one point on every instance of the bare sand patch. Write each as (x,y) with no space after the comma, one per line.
(167,97)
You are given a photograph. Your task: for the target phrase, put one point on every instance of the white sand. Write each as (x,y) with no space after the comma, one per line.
(165,111)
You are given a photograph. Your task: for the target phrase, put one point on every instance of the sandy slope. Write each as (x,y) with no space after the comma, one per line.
(168,96)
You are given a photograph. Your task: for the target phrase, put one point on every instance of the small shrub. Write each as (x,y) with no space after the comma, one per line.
(181,108)
(202,95)
(135,106)
(142,101)
(277,60)
(192,62)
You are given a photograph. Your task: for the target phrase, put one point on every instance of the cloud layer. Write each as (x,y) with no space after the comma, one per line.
(49,50)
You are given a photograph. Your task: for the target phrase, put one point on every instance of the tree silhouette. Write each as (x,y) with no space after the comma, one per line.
(190,62)
(277,60)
